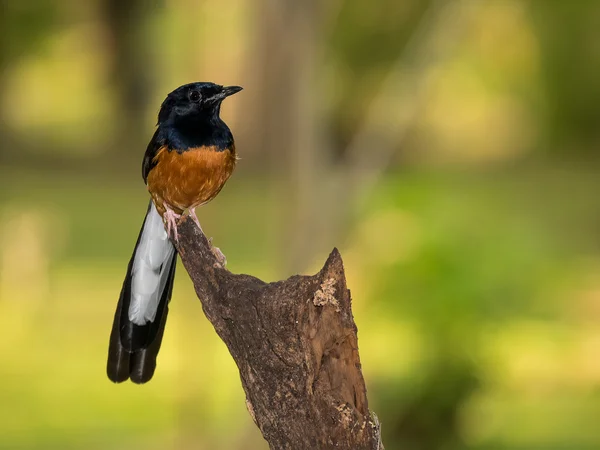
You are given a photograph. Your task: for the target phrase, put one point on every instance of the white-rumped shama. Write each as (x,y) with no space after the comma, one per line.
(188,160)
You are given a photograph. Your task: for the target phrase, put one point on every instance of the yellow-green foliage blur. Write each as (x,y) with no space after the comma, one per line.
(447,148)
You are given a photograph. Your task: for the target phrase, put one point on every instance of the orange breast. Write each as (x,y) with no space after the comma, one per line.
(189,179)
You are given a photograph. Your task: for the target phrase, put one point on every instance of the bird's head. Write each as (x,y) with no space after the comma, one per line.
(194,101)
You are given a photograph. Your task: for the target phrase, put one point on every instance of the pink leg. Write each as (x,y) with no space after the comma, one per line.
(170,218)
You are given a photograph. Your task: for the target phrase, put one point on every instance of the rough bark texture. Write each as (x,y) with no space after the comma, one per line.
(296,348)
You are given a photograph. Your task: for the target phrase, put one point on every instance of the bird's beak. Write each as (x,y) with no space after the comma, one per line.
(230,90)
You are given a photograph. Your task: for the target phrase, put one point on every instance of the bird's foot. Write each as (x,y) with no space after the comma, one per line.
(170,218)
(216,251)
(221,259)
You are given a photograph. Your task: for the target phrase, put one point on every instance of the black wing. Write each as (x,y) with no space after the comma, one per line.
(156,143)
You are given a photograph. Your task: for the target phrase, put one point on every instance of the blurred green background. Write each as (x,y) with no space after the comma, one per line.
(448,148)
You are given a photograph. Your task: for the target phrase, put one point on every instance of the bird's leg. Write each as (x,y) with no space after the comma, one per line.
(192,214)
(170,218)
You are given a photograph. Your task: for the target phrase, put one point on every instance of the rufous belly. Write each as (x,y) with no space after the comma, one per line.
(189,179)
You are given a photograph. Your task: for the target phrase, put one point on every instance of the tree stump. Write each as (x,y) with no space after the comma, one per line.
(296,348)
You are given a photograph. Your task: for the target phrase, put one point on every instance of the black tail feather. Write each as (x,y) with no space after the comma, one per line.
(139,365)
(118,358)
(143,362)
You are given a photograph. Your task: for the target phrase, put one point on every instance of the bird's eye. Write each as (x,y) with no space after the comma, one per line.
(195,96)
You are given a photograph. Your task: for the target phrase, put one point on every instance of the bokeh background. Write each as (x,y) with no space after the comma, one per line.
(448,148)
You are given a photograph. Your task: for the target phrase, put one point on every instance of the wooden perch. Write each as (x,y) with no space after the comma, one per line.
(296,348)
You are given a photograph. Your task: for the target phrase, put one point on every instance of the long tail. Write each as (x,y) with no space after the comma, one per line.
(143,305)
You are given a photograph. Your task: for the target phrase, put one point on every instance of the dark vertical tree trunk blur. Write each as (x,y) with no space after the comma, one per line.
(130,68)
(567,33)
(287,116)
(23,27)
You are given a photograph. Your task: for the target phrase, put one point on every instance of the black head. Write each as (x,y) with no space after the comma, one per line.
(194,101)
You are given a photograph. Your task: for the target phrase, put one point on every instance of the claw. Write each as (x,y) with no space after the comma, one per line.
(221,259)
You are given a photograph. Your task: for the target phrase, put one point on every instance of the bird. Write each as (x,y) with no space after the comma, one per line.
(187,162)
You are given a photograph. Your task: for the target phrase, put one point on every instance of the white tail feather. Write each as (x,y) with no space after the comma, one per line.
(151,267)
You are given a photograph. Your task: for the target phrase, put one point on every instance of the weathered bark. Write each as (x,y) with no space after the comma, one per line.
(296,348)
